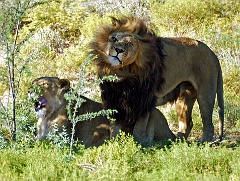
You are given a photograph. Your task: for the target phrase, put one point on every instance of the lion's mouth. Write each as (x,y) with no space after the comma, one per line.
(115,61)
(120,62)
(40,104)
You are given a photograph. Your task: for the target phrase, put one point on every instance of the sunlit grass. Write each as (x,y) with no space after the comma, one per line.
(122,159)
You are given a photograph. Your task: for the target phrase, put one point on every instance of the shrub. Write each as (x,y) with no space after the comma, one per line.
(204,20)
(138,8)
(63,16)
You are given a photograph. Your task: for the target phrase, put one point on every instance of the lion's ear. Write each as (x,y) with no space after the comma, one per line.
(115,21)
(63,83)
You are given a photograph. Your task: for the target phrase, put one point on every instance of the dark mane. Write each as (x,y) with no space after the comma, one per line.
(131,97)
(134,94)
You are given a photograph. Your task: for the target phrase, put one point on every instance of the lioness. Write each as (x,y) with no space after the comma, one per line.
(51,109)
(154,69)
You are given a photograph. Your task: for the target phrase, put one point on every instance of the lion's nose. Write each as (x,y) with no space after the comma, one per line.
(119,50)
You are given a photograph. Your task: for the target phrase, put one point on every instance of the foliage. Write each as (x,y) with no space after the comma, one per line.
(232,99)
(212,21)
(121,159)
(61,140)
(41,162)
(75,100)
(3,142)
(10,21)
(138,8)
(63,16)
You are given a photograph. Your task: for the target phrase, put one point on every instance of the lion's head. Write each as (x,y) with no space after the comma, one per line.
(48,94)
(125,47)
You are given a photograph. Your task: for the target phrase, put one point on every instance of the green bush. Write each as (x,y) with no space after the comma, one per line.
(64,16)
(214,22)
(231,91)
(121,159)
(138,8)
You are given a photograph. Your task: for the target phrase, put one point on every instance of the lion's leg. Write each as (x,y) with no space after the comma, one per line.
(140,131)
(184,106)
(158,127)
(206,105)
(114,129)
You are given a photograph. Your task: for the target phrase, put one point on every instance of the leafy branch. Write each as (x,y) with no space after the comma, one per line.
(10,23)
(75,98)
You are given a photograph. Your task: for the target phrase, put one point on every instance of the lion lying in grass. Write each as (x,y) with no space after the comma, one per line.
(51,109)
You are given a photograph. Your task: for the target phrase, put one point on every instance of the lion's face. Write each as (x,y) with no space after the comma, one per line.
(48,94)
(124,46)
(122,49)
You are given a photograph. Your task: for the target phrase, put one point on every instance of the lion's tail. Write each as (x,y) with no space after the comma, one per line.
(220,103)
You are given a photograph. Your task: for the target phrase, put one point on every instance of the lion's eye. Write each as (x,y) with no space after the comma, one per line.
(44,84)
(128,43)
(114,39)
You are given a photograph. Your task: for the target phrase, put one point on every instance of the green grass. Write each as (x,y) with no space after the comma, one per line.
(122,159)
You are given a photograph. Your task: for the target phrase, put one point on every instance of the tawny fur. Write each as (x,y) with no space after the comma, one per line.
(153,70)
(93,132)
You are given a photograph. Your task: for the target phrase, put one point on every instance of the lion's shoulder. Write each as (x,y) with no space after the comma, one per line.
(180,41)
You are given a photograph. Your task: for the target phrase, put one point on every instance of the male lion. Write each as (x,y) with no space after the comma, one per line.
(154,70)
(51,110)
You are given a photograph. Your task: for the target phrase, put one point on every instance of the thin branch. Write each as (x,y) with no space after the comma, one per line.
(16,46)
(5,110)
(79,102)
(12,72)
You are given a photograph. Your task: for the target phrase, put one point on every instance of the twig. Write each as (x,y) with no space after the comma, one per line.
(88,167)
